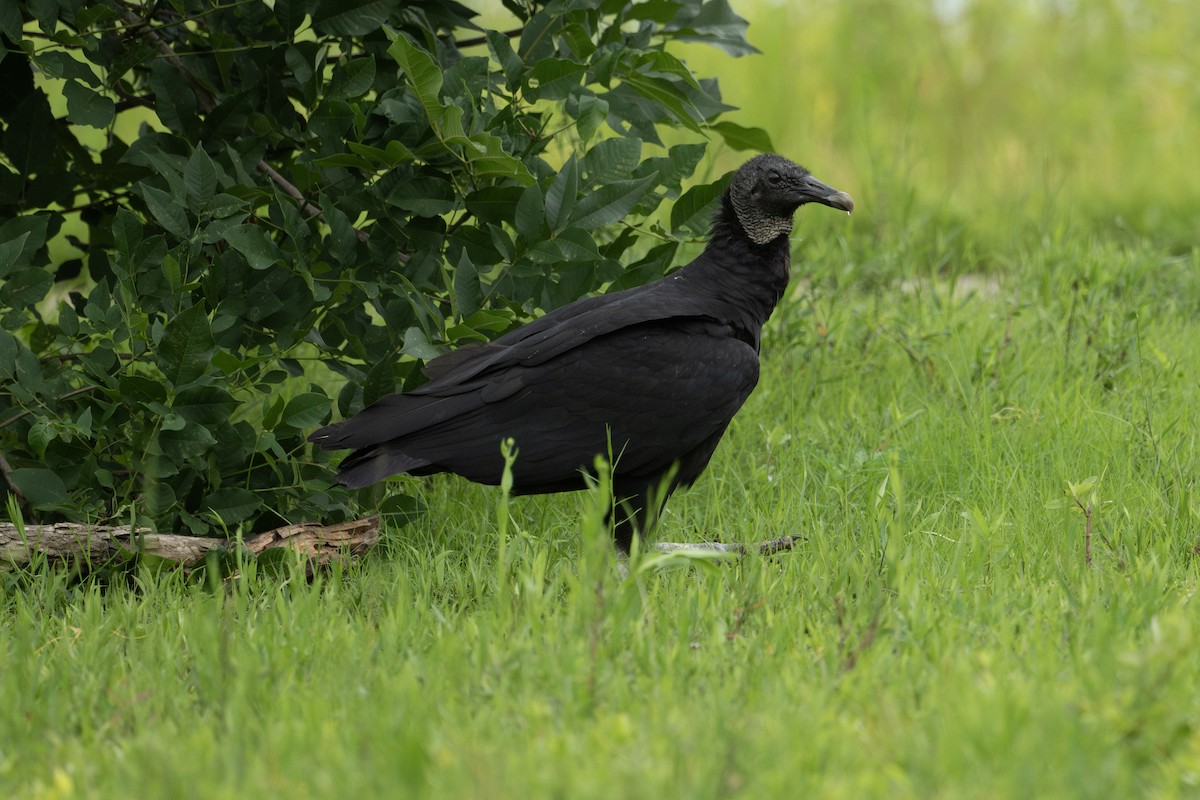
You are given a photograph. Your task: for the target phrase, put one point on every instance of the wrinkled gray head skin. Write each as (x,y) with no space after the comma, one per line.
(768,189)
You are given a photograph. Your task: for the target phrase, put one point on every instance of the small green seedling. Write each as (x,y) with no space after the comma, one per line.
(1084,495)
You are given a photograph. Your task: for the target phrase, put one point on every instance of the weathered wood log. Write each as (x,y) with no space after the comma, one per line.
(322,542)
(96,544)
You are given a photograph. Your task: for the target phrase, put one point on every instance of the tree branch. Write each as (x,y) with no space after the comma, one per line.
(73,393)
(478,40)
(6,471)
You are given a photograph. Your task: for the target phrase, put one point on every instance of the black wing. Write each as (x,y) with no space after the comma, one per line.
(651,393)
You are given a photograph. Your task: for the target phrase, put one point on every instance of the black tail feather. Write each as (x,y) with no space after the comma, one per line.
(371,465)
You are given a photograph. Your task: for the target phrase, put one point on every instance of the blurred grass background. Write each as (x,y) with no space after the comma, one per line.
(1000,121)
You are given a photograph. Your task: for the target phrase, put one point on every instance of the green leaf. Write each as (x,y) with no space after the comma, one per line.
(27,142)
(207,405)
(41,487)
(344,161)
(10,21)
(199,180)
(174,100)
(352,79)
(678,165)
(8,355)
(392,155)
(494,204)
(560,197)
(610,203)
(68,320)
(695,207)
(342,238)
(578,39)
(87,107)
(649,267)
(612,160)
(142,389)
(83,423)
(715,23)
(232,505)
(291,13)
(350,17)
(740,138)
(468,295)
(573,244)
(60,64)
(530,218)
(553,79)
(272,413)
(278,562)
(663,62)
(186,347)
(167,211)
(416,344)
(486,157)
(592,113)
(127,231)
(252,242)
(306,411)
(537,35)
(25,288)
(36,225)
(508,60)
(182,442)
(423,75)
(664,93)
(401,509)
(41,434)
(13,255)
(1077,490)
(424,195)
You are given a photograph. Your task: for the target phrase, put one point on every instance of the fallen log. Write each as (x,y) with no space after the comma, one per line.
(93,545)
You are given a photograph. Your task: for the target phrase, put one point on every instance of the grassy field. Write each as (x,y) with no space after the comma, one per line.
(938,633)
(1016,309)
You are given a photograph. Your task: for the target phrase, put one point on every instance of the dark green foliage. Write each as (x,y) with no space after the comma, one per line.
(273,202)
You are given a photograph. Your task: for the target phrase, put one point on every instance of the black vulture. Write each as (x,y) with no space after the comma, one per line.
(649,376)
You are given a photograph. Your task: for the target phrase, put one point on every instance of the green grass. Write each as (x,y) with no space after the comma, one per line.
(1000,122)
(1015,306)
(937,634)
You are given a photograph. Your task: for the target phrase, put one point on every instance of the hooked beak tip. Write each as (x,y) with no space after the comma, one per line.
(839,200)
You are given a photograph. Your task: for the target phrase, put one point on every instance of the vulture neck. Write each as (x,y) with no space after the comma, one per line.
(748,277)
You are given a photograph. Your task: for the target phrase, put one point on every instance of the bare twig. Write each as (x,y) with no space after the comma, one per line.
(306,206)
(59,399)
(1087,531)
(202,96)
(6,471)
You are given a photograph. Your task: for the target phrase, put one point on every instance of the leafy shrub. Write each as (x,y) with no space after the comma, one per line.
(275,200)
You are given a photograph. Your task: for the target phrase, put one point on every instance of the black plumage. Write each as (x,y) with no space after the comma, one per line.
(650,375)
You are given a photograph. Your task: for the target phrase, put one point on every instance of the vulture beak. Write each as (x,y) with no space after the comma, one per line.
(813,191)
